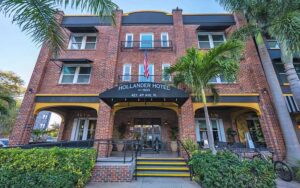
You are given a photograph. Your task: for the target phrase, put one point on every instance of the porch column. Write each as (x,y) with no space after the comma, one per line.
(104,129)
(186,121)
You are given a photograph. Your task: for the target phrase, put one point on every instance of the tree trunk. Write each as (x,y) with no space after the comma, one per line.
(211,142)
(292,77)
(286,124)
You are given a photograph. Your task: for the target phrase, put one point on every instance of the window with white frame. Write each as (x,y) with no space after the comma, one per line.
(126,72)
(142,77)
(84,129)
(210,40)
(75,74)
(217,127)
(146,40)
(83,41)
(129,40)
(164,37)
(165,75)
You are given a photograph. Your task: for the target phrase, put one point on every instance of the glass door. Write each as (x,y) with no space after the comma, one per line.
(85,129)
(149,132)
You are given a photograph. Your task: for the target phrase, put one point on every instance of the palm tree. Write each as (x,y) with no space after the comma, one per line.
(281,20)
(38,17)
(197,68)
(6,103)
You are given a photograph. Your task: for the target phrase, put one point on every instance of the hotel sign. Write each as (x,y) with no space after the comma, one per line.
(144,89)
(143,92)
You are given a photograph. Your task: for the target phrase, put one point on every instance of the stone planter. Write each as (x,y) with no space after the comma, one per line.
(173,146)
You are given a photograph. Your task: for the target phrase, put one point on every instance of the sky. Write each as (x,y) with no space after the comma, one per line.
(18,53)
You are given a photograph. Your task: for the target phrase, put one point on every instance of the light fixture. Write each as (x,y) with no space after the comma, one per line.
(166,122)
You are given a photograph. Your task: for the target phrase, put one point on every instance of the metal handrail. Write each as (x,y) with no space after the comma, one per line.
(180,144)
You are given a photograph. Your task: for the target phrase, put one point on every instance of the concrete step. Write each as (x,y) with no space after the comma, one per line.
(160,159)
(162,174)
(159,168)
(161,163)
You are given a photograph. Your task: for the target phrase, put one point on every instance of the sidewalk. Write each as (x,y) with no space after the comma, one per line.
(284,184)
(149,182)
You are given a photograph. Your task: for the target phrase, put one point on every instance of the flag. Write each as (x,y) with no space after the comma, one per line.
(146,68)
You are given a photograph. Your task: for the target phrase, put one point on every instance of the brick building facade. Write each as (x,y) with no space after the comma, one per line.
(102,56)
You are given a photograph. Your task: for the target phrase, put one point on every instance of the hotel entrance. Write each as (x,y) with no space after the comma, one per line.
(148,131)
(154,127)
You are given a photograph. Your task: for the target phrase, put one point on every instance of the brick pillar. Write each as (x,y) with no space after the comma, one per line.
(61,129)
(179,34)
(21,132)
(186,121)
(104,129)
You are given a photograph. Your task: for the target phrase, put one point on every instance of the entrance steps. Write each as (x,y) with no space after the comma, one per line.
(161,167)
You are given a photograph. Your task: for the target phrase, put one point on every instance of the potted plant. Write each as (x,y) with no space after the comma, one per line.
(173,145)
(121,136)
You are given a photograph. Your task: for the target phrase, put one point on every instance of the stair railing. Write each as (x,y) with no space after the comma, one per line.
(181,148)
(137,148)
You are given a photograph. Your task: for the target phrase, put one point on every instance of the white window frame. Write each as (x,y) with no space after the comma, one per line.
(211,42)
(76,128)
(150,75)
(163,66)
(141,34)
(83,44)
(75,79)
(124,73)
(126,40)
(161,38)
(220,127)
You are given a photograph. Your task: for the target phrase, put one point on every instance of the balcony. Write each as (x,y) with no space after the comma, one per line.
(150,45)
(165,79)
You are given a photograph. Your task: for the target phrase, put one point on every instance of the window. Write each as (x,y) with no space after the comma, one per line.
(84,129)
(45,116)
(218,80)
(146,40)
(83,42)
(218,130)
(126,72)
(165,76)
(273,44)
(279,67)
(164,40)
(129,40)
(75,74)
(142,77)
(210,40)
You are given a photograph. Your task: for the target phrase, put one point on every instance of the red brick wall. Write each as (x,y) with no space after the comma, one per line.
(112,173)
(108,62)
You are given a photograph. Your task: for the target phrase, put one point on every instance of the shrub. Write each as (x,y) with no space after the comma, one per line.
(55,167)
(297,172)
(190,145)
(225,170)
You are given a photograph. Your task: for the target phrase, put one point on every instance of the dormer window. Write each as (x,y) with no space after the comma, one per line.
(210,40)
(83,42)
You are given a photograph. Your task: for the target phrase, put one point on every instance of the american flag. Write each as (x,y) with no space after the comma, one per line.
(146,68)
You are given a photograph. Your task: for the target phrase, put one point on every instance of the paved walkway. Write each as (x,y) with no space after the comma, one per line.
(284,184)
(150,182)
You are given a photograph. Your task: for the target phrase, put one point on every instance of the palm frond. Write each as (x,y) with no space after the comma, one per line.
(245,32)
(286,29)
(98,7)
(38,19)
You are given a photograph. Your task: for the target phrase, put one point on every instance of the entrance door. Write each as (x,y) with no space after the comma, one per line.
(149,131)
(84,129)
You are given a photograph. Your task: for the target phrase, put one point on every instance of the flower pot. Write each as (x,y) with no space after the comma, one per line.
(120,147)
(173,146)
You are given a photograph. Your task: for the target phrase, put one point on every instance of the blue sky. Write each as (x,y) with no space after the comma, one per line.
(18,53)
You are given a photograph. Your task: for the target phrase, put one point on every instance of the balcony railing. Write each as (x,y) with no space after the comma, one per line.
(161,45)
(166,79)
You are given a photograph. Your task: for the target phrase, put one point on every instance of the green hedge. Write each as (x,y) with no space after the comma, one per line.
(226,170)
(55,167)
